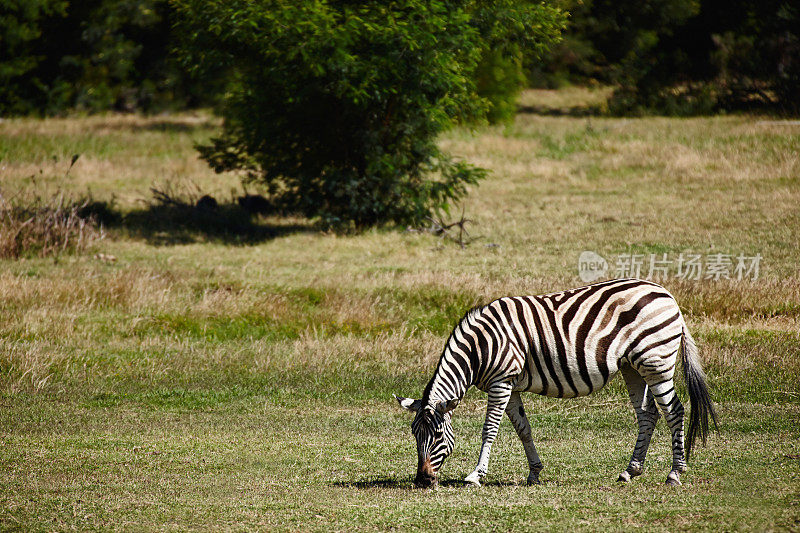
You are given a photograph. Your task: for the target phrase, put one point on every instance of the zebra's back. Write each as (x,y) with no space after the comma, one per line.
(571,343)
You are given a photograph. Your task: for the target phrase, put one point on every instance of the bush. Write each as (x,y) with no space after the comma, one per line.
(681,57)
(336,106)
(499,78)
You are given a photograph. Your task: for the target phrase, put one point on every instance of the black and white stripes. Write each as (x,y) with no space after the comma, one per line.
(564,345)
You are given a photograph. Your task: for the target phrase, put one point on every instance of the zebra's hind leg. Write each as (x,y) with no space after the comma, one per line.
(663,391)
(646,416)
(499,395)
(516,413)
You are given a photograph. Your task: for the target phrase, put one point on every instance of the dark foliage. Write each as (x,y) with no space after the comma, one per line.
(90,55)
(682,56)
(738,54)
(336,106)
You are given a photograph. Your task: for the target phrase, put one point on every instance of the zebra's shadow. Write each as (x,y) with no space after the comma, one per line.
(408,483)
(377,483)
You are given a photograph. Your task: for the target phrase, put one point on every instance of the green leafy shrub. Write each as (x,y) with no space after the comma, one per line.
(336,106)
(499,78)
(513,38)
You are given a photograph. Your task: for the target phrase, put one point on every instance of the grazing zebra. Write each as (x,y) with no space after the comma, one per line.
(564,345)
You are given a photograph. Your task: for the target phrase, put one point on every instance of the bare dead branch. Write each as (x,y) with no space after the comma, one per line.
(454,231)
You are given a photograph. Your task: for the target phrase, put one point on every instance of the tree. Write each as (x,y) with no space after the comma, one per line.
(612,41)
(336,106)
(511,35)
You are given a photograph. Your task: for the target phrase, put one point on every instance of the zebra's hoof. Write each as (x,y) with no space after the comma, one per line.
(534,480)
(624,477)
(673,479)
(473,479)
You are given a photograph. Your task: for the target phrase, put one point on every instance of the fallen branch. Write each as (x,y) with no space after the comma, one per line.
(446,230)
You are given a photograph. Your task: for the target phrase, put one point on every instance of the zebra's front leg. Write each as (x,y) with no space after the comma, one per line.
(499,395)
(516,413)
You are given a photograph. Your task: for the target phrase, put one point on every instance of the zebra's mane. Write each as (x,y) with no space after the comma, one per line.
(464,321)
(470,314)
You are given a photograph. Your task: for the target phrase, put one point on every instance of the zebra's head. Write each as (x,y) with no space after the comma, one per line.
(434,433)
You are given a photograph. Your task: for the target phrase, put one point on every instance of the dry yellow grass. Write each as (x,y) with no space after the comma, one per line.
(559,185)
(121,156)
(565,99)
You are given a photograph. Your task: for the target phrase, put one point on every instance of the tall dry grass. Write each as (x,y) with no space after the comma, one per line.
(32,225)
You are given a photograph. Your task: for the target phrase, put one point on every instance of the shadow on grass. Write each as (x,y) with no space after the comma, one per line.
(377,483)
(166,225)
(166,124)
(755,106)
(394,483)
(174,126)
(573,111)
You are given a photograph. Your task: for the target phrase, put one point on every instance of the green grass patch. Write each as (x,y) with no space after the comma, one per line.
(218,329)
(253,463)
(222,371)
(433,309)
(559,147)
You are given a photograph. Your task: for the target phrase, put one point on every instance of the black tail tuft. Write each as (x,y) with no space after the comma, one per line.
(700,399)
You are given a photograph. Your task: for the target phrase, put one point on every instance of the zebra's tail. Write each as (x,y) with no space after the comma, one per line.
(699,397)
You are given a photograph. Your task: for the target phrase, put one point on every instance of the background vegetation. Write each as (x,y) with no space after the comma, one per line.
(664,56)
(92,55)
(181,374)
(681,57)
(336,107)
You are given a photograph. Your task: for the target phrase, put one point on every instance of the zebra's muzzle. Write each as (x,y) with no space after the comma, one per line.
(426,476)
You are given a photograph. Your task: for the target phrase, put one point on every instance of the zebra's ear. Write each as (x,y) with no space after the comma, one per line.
(445,407)
(408,403)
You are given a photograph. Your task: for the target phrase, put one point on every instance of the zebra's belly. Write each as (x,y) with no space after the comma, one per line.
(560,386)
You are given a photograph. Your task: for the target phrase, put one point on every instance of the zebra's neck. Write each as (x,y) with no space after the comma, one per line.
(451,379)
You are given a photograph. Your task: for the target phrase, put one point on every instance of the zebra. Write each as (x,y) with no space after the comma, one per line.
(564,345)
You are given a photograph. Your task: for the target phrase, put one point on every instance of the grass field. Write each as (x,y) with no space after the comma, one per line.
(192,377)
